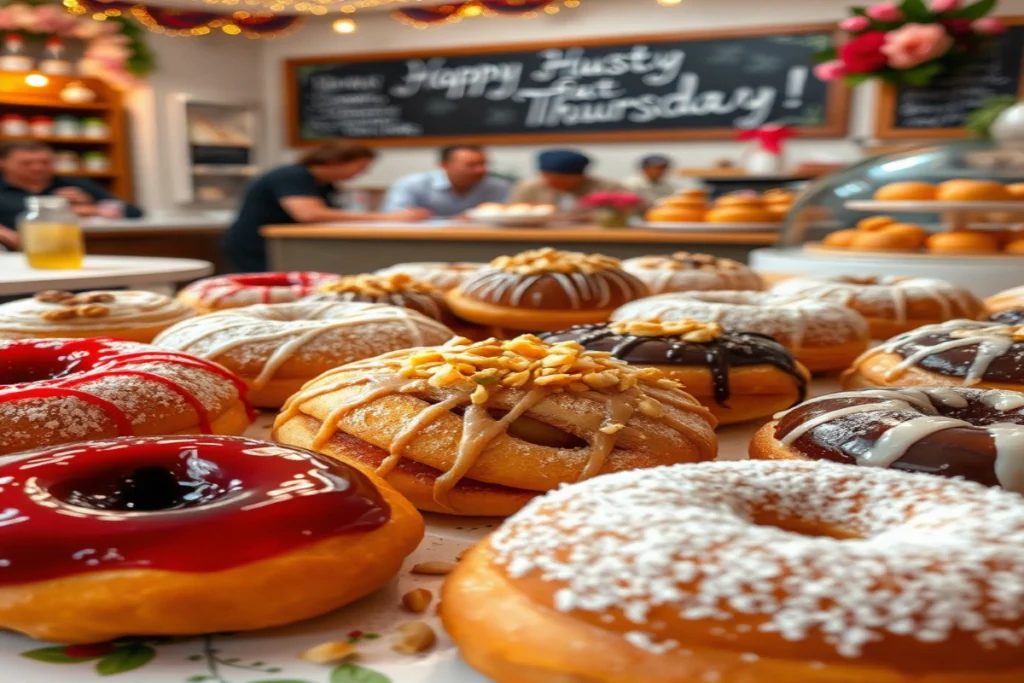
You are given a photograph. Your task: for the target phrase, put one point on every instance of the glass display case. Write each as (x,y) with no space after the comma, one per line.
(953,211)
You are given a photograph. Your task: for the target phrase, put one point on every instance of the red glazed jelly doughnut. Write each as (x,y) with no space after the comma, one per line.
(235,291)
(185,535)
(55,391)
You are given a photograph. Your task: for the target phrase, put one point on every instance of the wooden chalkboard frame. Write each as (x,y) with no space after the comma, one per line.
(836,106)
(885,112)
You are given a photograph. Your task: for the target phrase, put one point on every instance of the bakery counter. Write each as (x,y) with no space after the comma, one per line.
(195,237)
(355,248)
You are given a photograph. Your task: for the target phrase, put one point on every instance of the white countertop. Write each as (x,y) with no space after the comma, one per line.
(156,222)
(99,272)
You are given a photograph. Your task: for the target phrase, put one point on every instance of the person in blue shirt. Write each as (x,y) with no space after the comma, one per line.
(301,193)
(460,183)
(27,171)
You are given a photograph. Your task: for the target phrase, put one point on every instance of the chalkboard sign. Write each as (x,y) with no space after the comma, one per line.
(628,88)
(941,109)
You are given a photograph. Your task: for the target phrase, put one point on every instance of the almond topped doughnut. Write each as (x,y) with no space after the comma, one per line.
(1008,298)
(235,291)
(444,276)
(973,353)
(129,315)
(749,572)
(184,536)
(480,428)
(544,290)
(822,335)
(56,391)
(976,434)
(276,348)
(396,290)
(683,272)
(891,304)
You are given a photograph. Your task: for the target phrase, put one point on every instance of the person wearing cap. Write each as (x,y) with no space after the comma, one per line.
(563,181)
(651,182)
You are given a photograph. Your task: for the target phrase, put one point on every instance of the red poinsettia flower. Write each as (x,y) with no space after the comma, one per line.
(863,54)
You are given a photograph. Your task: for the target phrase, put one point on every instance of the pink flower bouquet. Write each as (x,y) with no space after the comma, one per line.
(616,201)
(909,42)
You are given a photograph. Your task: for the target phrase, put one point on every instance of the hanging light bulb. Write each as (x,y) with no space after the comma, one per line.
(36,80)
(670,3)
(344,26)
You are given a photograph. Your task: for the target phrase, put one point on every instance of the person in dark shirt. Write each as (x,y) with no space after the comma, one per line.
(26,170)
(300,193)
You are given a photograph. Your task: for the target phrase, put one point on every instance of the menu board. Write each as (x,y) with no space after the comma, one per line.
(940,110)
(663,87)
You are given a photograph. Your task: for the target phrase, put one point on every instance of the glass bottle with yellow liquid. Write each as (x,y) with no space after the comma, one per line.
(51,236)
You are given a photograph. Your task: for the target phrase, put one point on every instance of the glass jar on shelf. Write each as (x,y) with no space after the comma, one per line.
(95,162)
(66,161)
(13,126)
(95,129)
(40,127)
(51,235)
(67,127)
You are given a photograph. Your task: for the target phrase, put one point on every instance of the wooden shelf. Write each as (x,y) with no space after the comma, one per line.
(23,101)
(59,141)
(88,174)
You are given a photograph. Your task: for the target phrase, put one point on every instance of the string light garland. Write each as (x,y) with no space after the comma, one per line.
(425,17)
(174,22)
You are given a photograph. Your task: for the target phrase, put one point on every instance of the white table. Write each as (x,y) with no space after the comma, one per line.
(154,274)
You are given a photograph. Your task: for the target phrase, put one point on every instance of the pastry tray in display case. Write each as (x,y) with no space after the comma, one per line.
(272,656)
(712,227)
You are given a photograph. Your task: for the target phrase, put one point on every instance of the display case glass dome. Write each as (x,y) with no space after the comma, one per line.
(838,201)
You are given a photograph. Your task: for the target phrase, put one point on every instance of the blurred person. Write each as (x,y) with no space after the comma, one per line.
(563,181)
(652,182)
(460,183)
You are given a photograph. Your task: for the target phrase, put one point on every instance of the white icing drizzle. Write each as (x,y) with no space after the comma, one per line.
(1009,441)
(887,294)
(233,291)
(296,326)
(792,322)
(582,289)
(892,445)
(128,310)
(444,276)
(691,272)
(992,341)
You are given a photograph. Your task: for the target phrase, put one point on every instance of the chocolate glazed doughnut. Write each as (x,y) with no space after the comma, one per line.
(953,432)
(737,375)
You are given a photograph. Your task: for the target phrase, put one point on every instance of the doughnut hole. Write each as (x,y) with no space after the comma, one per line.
(44,364)
(805,527)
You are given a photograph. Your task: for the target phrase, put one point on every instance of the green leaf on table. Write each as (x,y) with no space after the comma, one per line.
(54,655)
(125,659)
(353,673)
(977,10)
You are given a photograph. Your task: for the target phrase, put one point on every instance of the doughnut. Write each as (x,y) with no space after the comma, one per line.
(235,291)
(963,242)
(396,290)
(672,213)
(1009,316)
(974,353)
(778,195)
(1014,247)
(184,536)
(1016,189)
(128,315)
(444,276)
(740,208)
(1008,298)
(889,237)
(738,376)
(544,290)
(749,572)
(973,191)
(57,391)
(481,428)
(822,335)
(977,434)
(840,238)
(683,271)
(872,223)
(891,304)
(906,191)
(276,348)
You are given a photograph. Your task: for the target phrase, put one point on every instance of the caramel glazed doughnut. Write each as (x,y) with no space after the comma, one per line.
(683,271)
(184,536)
(822,335)
(481,428)
(955,353)
(891,304)
(738,376)
(129,315)
(276,348)
(749,572)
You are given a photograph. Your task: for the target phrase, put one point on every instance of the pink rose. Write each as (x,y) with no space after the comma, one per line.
(989,26)
(915,44)
(943,6)
(830,71)
(886,12)
(854,24)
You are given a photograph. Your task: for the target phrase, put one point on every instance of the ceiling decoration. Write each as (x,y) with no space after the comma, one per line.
(424,17)
(179,22)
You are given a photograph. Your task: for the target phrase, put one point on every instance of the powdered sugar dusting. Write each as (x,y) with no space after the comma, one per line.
(951,552)
(790,322)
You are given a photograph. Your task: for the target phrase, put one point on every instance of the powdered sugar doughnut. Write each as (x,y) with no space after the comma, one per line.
(822,335)
(276,348)
(444,276)
(235,291)
(749,571)
(57,391)
(685,272)
(891,304)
